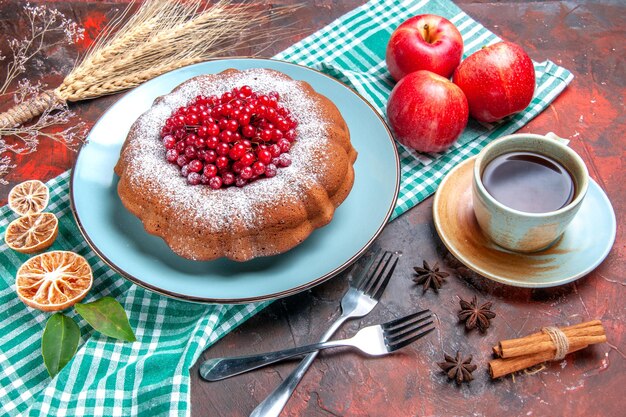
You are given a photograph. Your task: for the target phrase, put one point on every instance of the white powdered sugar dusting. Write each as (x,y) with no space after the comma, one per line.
(147,165)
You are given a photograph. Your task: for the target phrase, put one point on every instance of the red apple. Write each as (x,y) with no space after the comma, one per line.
(498,80)
(425,42)
(427,112)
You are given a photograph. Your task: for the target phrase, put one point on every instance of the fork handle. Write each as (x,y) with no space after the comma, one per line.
(274,403)
(221,368)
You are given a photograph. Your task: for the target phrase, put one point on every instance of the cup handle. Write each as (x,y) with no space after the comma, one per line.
(552,135)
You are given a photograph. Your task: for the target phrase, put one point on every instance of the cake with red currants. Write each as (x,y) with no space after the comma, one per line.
(239,164)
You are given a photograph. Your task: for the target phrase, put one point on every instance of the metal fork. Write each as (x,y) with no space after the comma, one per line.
(358,301)
(376,340)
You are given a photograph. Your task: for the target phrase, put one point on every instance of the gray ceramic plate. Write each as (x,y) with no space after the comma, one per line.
(583,246)
(121,241)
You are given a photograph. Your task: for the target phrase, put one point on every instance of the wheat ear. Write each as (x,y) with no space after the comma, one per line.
(160,36)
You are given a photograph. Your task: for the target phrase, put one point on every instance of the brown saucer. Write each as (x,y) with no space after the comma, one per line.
(565,261)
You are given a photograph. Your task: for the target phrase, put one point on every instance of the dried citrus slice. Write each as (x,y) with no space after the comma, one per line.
(32,233)
(54,280)
(29,197)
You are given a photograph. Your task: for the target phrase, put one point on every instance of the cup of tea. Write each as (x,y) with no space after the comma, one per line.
(526,190)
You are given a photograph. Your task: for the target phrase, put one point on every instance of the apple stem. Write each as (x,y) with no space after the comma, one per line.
(426,33)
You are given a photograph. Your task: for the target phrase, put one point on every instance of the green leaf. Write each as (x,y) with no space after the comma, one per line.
(108,317)
(59,342)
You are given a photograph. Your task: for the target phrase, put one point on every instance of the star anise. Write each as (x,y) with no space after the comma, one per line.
(458,369)
(476,316)
(430,277)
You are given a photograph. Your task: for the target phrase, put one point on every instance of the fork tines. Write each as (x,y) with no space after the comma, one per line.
(406,330)
(377,274)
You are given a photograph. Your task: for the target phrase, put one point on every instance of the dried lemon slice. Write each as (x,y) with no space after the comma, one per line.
(54,280)
(29,197)
(32,233)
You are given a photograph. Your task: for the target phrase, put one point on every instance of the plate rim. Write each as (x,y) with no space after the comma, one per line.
(243,300)
(507,281)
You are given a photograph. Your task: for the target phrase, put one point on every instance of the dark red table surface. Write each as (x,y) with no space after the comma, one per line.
(585,37)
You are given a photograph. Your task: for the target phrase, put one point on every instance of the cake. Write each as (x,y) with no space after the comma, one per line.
(257,206)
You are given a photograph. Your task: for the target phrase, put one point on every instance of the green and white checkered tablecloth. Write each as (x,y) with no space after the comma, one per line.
(151,376)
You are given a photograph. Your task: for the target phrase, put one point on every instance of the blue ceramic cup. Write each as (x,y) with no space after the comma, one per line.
(517,230)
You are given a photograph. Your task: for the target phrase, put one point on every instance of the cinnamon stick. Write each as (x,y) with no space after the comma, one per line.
(539,342)
(501,367)
(518,354)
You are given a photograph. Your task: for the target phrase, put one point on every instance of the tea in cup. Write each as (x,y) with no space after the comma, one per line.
(526,190)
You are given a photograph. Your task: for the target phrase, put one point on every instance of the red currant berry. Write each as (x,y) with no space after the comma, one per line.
(184,170)
(284,160)
(246,90)
(271,113)
(195,166)
(226,97)
(275,150)
(179,121)
(277,135)
(238,166)
(244,119)
(181,160)
(270,170)
(228,178)
(210,170)
(261,110)
(215,183)
(193,178)
(226,136)
(258,168)
(171,155)
(246,173)
(247,159)
(237,151)
(180,133)
(221,162)
(282,124)
(284,144)
(240,182)
(200,143)
(248,131)
(192,119)
(223,124)
(290,135)
(226,109)
(212,142)
(169,142)
(232,125)
(266,135)
(190,152)
(203,132)
(210,156)
(264,156)
(222,149)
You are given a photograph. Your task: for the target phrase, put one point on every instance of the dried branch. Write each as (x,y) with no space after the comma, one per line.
(42,23)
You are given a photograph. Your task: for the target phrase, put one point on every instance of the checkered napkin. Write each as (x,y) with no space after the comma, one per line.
(151,376)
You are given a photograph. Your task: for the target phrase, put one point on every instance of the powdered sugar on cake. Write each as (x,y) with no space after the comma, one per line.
(147,164)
